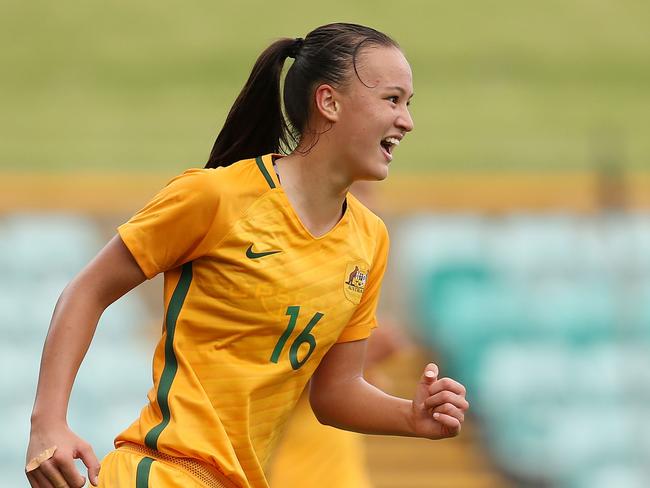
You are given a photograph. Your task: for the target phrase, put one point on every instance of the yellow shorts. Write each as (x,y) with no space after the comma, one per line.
(132,466)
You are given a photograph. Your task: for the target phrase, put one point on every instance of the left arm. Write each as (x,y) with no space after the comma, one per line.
(342,398)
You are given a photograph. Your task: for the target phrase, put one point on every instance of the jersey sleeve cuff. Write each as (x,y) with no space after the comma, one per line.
(356,333)
(130,241)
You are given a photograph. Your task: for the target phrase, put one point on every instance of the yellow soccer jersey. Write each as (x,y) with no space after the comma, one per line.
(253,302)
(312,455)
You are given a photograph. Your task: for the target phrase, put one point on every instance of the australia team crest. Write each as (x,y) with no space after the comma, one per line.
(356,276)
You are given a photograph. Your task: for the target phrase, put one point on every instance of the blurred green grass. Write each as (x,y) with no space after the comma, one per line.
(146,85)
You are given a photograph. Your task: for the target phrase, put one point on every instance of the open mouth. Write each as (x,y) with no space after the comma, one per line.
(388,145)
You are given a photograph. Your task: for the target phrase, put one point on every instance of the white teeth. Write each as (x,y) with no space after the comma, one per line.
(392,140)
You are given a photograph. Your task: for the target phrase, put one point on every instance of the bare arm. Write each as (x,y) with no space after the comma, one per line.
(110,275)
(341,397)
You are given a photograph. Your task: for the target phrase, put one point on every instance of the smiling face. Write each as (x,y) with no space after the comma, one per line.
(373,114)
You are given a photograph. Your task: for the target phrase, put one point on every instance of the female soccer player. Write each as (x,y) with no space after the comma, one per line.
(272,275)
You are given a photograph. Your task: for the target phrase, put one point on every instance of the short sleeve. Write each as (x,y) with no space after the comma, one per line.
(365,316)
(177,225)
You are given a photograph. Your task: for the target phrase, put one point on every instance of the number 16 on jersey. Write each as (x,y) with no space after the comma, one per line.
(304,337)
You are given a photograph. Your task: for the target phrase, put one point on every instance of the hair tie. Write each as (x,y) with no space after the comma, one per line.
(295,48)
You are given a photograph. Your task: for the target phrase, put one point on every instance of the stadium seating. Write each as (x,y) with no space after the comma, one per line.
(39,254)
(546,319)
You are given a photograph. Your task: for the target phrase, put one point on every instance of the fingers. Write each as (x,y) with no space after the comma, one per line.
(87,455)
(452,424)
(447,384)
(32,480)
(451,410)
(72,476)
(62,472)
(55,467)
(38,480)
(439,405)
(444,397)
(53,475)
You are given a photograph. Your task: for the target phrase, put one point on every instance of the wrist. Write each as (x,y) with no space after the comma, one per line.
(49,418)
(410,419)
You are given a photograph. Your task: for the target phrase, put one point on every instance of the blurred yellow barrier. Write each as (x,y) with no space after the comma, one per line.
(490,192)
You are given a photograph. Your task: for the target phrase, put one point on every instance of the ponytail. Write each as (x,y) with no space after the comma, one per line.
(255,124)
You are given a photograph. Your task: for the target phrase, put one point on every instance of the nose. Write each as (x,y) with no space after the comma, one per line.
(405,121)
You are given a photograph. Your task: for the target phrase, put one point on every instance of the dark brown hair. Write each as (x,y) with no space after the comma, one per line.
(256,124)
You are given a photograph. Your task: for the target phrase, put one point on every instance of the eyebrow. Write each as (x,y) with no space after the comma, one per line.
(401,90)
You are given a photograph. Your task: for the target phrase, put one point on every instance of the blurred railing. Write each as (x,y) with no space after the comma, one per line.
(448,191)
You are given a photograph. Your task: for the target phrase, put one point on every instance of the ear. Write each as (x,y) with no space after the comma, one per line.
(326,102)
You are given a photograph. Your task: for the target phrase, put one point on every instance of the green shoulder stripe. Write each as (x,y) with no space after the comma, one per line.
(171,363)
(142,473)
(262,168)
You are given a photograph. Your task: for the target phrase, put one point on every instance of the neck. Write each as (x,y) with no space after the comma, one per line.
(314,187)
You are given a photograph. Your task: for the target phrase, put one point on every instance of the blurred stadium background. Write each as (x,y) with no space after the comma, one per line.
(519,211)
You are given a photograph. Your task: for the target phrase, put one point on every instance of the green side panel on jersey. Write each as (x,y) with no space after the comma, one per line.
(171,363)
(267,176)
(142,474)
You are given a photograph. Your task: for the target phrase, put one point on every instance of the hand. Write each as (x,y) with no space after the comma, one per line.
(439,406)
(59,471)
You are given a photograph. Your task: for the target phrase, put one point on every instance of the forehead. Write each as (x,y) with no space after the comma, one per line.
(384,66)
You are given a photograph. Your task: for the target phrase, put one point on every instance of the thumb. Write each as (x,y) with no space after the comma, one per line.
(87,455)
(429,376)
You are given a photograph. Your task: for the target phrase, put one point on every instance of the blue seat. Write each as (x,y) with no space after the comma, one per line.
(47,244)
(546,318)
(544,401)
(572,310)
(39,254)
(620,475)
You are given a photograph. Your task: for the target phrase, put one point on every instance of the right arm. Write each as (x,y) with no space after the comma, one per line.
(110,275)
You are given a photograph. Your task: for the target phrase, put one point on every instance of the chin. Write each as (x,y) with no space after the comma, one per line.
(383,175)
(378,172)
(373,170)
(373,176)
